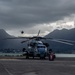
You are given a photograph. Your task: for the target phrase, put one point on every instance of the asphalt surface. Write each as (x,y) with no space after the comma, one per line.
(37,67)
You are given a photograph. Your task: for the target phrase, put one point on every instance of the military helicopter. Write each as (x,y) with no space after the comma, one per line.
(36,48)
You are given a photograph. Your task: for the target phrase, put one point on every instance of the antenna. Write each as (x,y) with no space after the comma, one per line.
(38,33)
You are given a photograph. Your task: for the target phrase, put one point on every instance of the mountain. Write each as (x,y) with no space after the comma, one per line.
(62,34)
(3,34)
(9,44)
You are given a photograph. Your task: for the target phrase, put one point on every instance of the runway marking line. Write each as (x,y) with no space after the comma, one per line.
(8,71)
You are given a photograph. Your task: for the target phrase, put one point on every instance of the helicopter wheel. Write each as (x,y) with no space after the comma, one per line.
(27,56)
(42,57)
(33,56)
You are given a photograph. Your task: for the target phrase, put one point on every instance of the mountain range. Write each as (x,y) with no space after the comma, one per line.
(56,34)
(62,34)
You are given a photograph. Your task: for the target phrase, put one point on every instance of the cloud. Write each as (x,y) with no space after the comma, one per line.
(19,14)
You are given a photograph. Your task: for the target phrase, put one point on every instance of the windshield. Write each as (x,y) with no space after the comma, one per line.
(40,46)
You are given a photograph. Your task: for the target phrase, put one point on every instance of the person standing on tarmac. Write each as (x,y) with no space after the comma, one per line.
(51,55)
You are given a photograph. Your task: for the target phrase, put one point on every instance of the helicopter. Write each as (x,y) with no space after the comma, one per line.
(37,48)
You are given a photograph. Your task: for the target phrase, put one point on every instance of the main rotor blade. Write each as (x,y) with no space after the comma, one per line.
(66,40)
(25,41)
(19,38)
(62,42)
(70,42)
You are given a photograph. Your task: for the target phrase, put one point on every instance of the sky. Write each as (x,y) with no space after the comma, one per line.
(34,15)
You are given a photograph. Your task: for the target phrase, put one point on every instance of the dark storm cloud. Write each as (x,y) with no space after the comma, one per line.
(26,13)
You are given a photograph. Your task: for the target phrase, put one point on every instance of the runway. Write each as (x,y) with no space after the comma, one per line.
(37,67)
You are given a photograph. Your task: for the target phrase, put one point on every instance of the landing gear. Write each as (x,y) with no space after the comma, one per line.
(33,56)
(27,55)
(42,56)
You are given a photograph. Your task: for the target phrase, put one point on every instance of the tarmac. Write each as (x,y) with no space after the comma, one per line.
(61,66)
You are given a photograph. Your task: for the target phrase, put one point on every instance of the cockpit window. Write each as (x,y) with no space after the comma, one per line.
(40,46)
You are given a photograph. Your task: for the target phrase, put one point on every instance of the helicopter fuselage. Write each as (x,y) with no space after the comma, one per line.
(37,49)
